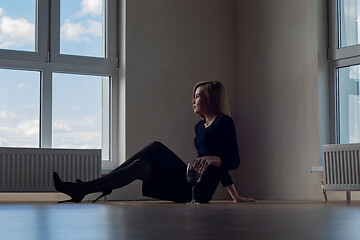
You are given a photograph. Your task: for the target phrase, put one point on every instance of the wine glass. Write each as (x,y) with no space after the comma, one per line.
(192,177)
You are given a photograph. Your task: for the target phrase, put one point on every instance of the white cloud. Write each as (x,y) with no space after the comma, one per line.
(72,31)
(61,126)
(25,134)
(91,7)
(15,32)
(80,136)
(32,106)
(4,142)
(86,121)
(85,146)
(94,28)
(6,130)
(80,31)
(28,128)
(89,122)
(21,85)
(6,114)
(1,11)
(84,139)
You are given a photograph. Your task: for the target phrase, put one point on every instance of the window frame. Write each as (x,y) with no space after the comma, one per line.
(41,38)
(336,53)
(338,58)
(109,61)
(47,60)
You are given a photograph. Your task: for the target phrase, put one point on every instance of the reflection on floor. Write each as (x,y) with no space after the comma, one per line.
(164,220)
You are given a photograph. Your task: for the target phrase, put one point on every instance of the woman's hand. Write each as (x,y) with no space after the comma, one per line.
(243,199)
(235,196)
(201,164)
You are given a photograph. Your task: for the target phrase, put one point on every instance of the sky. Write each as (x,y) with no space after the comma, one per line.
(76,99)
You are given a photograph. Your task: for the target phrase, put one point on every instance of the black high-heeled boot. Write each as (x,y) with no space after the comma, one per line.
(118,178)
(73,190)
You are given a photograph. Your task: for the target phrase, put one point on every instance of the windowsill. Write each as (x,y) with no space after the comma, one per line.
(317,169)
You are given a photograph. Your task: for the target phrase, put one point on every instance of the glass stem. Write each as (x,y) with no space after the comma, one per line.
(193,193)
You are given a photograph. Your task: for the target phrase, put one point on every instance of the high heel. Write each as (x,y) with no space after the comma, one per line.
(104,193)
(73,190)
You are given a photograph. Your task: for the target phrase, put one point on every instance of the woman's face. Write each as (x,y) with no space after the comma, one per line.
(199,102)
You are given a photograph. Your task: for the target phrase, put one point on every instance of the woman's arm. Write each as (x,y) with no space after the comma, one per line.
(201,165)
(235,196)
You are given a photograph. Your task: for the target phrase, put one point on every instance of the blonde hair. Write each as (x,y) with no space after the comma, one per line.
(214,92)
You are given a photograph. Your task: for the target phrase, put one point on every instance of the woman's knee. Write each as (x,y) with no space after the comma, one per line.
(141,164)
(157,144)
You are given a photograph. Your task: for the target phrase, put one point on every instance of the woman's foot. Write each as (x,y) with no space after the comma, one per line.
(73,190)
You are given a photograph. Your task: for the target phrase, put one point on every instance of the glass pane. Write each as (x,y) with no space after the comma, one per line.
(82,27)
(19,108)
(80,112)
(348,22)
(349,104)
(17,24)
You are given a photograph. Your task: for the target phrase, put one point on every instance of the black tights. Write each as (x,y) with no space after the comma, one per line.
(136,167)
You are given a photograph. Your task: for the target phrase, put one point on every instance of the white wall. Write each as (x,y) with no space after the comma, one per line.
(277,98)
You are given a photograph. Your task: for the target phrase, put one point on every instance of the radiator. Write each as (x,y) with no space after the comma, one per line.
(341,168)
(31,169)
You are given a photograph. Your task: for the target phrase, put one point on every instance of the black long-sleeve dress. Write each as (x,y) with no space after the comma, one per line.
(168,181)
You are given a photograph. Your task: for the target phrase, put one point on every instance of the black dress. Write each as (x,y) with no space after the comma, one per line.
(168,181)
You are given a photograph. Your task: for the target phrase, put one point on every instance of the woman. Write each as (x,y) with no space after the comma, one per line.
(163,173)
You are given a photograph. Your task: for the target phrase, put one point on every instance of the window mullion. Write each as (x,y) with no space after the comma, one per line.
(46,109)
(43,45)
(42,34)
(54,32)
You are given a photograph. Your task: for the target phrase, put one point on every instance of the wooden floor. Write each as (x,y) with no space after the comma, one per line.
(163,220)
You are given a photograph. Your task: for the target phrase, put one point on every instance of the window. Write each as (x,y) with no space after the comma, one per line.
(345,63)
(19,108)
(348,98)
(82,28)
(17,28)
(348,23)
(58,75)
(77,119)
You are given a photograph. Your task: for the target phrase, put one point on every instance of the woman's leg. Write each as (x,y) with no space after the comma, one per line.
(134,168)
(118,178)
(153,149)
(150,150)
